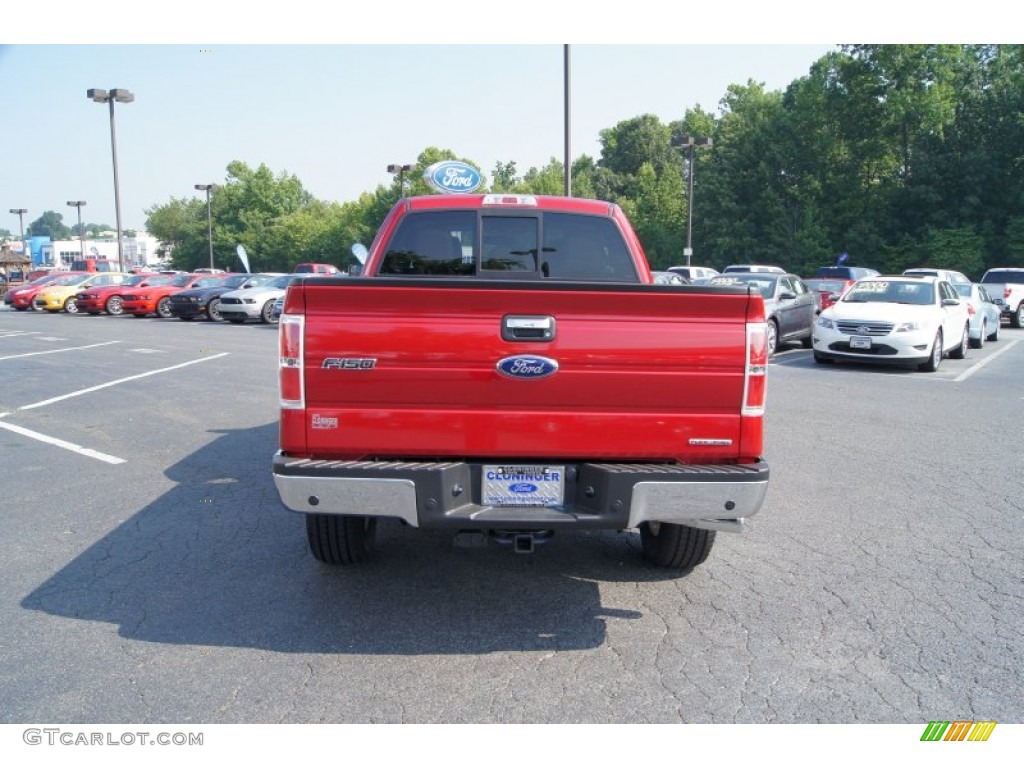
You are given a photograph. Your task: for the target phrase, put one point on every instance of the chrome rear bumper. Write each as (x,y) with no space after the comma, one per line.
(599,495)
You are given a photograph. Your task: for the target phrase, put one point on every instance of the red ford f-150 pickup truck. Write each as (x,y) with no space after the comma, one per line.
(505,367)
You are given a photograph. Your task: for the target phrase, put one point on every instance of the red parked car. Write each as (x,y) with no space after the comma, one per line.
(109,298)
(825,287)
(22,298)
(156,299)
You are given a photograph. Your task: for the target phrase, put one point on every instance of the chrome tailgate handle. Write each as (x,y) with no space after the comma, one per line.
(528,328)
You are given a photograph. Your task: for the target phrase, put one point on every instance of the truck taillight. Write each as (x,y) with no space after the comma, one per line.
(971,310)
(290,347)
(755,376)
(1007,291)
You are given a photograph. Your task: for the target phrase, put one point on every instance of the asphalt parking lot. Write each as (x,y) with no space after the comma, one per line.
(150,574)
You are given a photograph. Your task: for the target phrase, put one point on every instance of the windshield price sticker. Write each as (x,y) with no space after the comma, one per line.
(873,286)
(523,486)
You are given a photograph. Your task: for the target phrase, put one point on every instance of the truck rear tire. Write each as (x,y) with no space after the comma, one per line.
(1017,318)
(669,545)
(341,540)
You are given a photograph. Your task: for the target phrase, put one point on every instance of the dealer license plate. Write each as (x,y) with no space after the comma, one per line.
(860,342)
(517,485)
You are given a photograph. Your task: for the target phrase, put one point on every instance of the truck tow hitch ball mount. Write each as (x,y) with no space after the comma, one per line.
(522,542)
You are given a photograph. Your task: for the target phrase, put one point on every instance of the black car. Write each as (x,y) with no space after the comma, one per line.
(204,302)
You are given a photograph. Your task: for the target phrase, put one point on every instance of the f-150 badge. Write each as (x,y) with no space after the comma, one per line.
(349,363)
(527,367)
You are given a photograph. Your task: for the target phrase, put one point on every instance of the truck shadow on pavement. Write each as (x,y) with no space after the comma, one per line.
(217,561)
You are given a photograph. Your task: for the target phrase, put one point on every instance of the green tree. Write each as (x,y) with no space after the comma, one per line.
(504,177)
(631,144)
(549,180)
(246,210)
(740,198)
(655,206)
(49,224)
(1014,253)
(94,230)
(913,89)
(308,234)
(177,224)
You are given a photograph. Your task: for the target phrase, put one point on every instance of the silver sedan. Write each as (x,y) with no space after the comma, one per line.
(982,311)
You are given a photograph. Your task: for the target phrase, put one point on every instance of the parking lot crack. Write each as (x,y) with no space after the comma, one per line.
(297,692)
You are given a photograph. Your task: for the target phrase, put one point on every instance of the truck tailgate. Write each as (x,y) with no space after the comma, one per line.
(409,368)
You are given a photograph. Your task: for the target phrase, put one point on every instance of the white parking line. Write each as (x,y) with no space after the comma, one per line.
(63,349)
(977,366)
(41,403)
(61,443)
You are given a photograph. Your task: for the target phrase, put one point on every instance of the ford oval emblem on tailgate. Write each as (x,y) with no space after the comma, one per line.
(527,367)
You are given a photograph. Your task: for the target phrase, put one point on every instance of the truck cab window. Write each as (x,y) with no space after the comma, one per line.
(585,248)
(509,244)
(436,243)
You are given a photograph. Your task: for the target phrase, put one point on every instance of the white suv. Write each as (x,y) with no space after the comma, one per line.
(694,273)
(754,268)
(943,274)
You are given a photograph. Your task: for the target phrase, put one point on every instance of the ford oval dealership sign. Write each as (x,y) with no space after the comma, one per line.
(453,177)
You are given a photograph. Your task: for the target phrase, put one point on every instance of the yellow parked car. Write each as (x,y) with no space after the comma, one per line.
(61,295)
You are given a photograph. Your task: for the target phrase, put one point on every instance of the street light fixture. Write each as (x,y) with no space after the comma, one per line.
(124,96)
(401,170)
(81,231)
(690,142)
(209,216)
(21,226)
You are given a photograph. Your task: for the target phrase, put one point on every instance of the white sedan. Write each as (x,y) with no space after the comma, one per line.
(894,320)
(255,303)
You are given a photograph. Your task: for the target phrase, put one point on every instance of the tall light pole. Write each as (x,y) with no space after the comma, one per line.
(125,96)
(21,225)
(568,116)
(401,170)
(209,216)
(81,232)
(690,142)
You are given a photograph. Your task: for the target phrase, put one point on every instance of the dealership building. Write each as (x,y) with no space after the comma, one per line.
(139,251)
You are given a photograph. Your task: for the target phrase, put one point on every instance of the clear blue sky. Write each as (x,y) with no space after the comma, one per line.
(335,113)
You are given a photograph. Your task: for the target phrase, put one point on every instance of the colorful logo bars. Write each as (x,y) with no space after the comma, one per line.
(958,730)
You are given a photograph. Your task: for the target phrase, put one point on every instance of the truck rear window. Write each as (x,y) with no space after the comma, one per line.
(1009,276)
(558,246)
